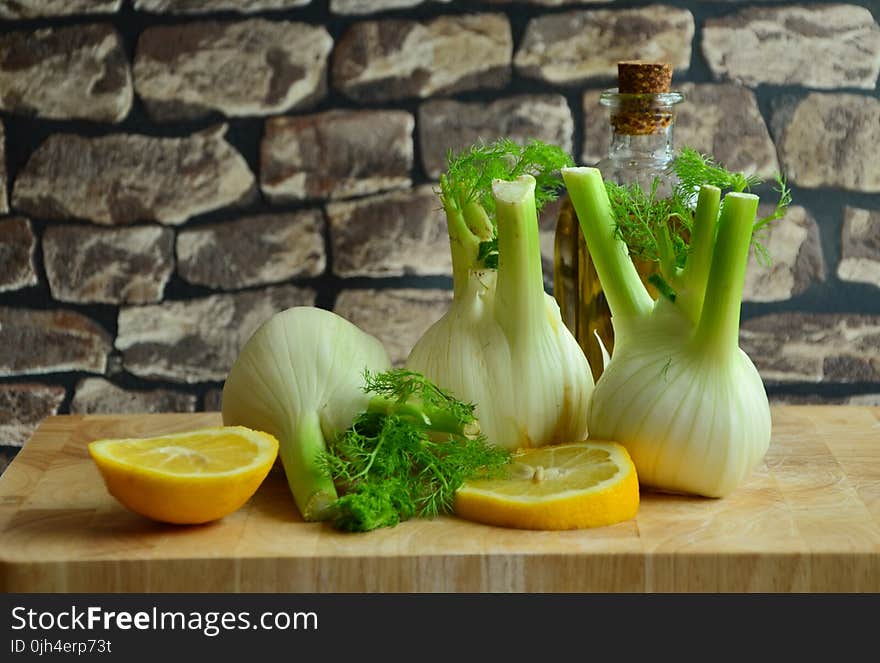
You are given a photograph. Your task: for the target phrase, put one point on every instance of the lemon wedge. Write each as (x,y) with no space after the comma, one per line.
(564,486)
(186,478)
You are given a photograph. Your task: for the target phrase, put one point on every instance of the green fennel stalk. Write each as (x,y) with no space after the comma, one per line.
(466,194)
(656,228)
(300,455)
(719,315)
(719,251)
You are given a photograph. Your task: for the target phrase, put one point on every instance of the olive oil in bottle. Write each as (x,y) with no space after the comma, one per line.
(642,117)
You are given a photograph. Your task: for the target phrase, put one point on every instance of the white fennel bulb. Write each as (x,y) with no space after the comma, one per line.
(530,387)
(678,392)
(502,344)
(692,421)
(300,377)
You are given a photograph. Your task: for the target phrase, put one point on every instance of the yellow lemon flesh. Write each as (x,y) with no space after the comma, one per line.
(186,478)
(564,486)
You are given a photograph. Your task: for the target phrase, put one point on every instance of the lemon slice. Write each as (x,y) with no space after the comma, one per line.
(564,486)
(186,478)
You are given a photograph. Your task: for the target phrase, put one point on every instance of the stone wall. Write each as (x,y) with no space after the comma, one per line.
(174,171)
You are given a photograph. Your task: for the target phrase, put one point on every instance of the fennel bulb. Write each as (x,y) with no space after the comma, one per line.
(300,377)
(502,344)
(678,392)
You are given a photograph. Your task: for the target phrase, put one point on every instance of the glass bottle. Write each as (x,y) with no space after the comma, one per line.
(641,150)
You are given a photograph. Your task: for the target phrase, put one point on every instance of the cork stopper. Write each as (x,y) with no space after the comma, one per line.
(640,115)
(639,77)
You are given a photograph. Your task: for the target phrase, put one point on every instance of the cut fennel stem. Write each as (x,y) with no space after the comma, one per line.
(687,403)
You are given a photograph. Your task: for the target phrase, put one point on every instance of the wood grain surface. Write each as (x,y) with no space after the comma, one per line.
(807,520)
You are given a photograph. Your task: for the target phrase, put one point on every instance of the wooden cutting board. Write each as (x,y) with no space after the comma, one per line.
(807,520)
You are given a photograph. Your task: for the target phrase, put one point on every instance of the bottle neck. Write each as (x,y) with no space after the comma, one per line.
(643,149)
(642,130)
